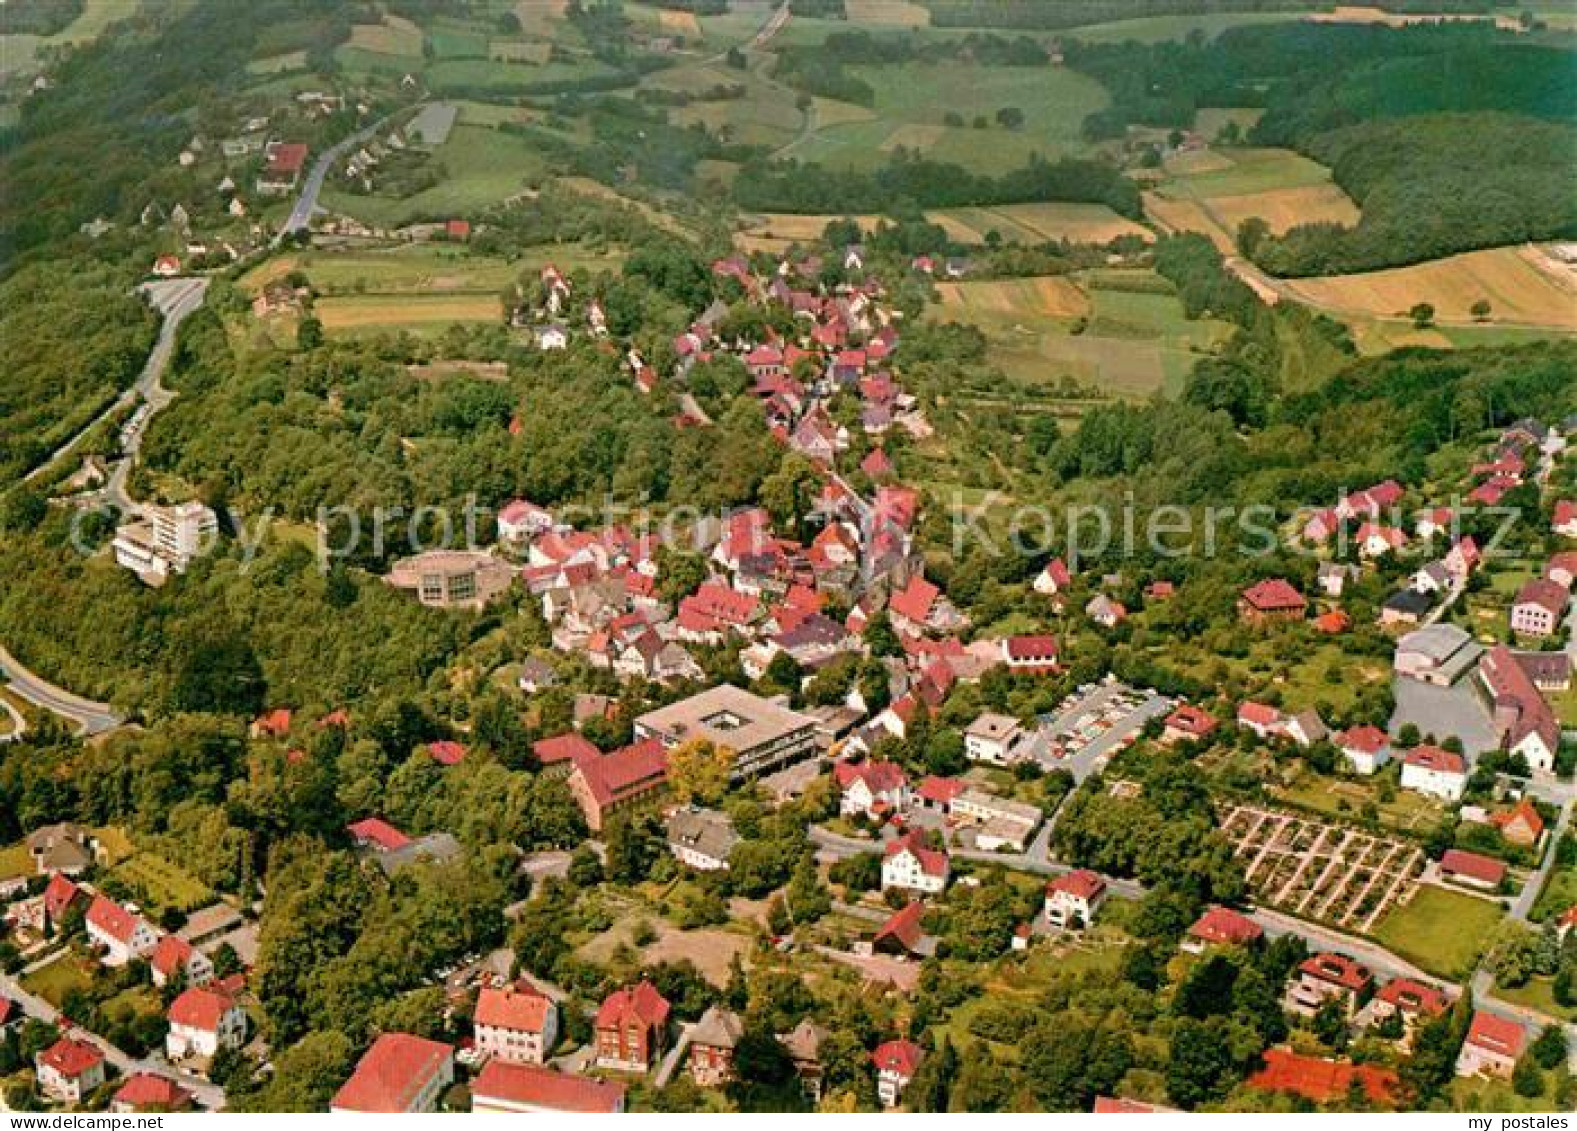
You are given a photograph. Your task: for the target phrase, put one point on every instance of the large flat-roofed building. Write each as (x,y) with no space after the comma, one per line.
(165,541)
(762,734)
(448,579)
(1438,653)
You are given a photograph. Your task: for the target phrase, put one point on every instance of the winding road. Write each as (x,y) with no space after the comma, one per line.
(174,299)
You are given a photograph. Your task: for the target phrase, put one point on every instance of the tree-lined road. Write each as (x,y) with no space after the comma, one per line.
(174,299)
(90,717)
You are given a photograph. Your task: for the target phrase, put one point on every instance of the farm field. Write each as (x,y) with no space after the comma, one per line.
(408,267)
(415,313)
(20,52)
(1154,29)
(1209,120)
(892,13)
(1015,223)
(1037,223)
(775,231)
(1132,345)
(482,167)
(912,99)
(278,64)
(1212,191)
(1517,288)
(762,117)
(1442,931)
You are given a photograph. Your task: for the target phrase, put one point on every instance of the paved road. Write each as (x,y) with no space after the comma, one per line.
(90,717)
(173,298)
(306,206)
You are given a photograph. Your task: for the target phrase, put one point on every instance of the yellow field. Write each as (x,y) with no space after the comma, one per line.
(680,23)
(1514,282)
(892,13)
(537,16)
(1356,14)
(773,232)
(831,112)
(393,37)
(1286,208)
(416,313)
(1186,216)
(1052,296)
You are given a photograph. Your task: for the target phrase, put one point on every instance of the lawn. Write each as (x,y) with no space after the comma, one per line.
(15,861)
(1539,994)
(54,981)
(1442,931)
(1407,811)
(161,885)
(912,101)
(1560,892)
(482,167)
(422,267)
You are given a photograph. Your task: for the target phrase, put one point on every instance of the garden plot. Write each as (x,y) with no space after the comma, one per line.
(1333,873)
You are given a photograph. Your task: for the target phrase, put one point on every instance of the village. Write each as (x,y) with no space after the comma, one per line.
(544,571)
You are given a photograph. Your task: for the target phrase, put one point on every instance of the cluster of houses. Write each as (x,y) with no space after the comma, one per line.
(517,1027)
(205,1017)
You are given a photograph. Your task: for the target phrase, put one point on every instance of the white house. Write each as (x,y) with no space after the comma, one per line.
(1436,772)
(1366,748)
(204,1020)
(516,1024)
(1073,900)
(70,1069)
(909,866)
(123,934)
(175,956)
(992,738)
(896,1063)
(1053,579)
(871,788)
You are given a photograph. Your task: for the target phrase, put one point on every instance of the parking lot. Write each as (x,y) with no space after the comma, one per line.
(1092,724)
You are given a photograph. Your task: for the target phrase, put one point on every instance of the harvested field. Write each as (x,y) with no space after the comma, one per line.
(1356,14)
(392,37)
(831,112)
(1286,208)
(1187,216)
(675,22)
(888,13)
(1049,295)
(352,314)
(440,370)
(1515,282)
